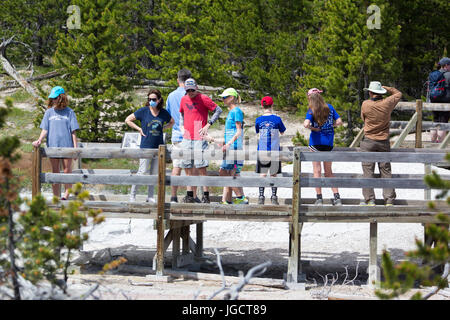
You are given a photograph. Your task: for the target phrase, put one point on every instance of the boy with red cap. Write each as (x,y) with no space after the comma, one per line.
(269,127)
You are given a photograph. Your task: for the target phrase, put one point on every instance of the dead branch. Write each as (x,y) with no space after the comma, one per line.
(11,70)
(436,289)
(224,283)
(141,284)
(325,291)
(345,282)
(253,272)
(234,291)
(12,84)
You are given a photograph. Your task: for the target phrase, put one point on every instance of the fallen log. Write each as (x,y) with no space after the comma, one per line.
(13,84)
(264,282)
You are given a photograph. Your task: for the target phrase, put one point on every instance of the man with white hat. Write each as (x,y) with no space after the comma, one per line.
(376,114)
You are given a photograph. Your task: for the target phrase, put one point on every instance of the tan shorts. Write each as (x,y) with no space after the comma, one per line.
(176,162)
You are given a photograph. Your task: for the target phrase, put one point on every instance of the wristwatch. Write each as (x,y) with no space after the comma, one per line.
(211,122)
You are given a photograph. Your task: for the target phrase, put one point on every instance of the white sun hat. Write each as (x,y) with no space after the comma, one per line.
(375,87)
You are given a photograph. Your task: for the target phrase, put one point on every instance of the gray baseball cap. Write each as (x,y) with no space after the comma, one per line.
(190,84)
(444,61)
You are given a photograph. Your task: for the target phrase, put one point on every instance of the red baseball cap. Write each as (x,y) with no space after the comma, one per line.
(266,101)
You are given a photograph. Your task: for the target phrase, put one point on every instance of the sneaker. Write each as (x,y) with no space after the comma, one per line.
(173,200)
(337,202)
(274,200)
(242,200)
(150,200)
(370,203)
(197,200)
(319,202)
(224,202)
(261,200)
(132,199)
(188,199)
(388,204)
(205,199)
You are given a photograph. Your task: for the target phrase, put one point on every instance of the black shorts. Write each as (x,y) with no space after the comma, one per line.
(441,116)
(273,167)
(321,147)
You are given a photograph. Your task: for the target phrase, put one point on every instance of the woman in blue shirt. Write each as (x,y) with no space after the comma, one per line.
(234,135)
(59,125)
(321,119)
(154,119)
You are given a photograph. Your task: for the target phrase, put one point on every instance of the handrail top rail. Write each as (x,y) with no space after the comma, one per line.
(340,155)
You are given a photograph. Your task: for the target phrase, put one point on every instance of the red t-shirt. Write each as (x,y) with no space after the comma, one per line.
(195,114)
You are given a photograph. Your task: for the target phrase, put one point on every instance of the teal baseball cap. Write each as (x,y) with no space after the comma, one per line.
(56,91)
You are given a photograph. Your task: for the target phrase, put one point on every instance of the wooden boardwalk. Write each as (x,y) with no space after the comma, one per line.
(173,221)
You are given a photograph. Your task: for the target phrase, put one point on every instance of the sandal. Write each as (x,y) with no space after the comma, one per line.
(63,198)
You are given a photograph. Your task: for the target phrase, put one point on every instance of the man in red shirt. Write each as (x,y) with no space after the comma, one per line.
(194,109)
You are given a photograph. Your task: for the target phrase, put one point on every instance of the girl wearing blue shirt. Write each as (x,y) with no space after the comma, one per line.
(59,125)
(321,119)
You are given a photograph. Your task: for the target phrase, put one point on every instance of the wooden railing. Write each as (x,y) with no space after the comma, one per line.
(298,210)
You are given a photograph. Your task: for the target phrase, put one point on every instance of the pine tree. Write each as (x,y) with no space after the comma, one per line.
(344,55)
(265,41)
(423,41)
(184,37)
(401,278)
(9,203)
(35,23)
(99,64)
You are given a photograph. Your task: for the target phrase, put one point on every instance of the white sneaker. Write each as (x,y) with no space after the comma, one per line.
(132,198)
(150,200)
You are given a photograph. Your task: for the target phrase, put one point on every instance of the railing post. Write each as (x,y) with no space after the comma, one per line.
(426,196)
(161,210)
(419,108)
(294,227)
(199,240)
(36,171)
(374,270)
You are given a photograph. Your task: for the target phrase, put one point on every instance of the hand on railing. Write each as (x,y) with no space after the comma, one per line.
(37,143)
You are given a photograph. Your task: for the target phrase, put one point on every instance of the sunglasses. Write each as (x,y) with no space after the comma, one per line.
(225,97)
(153,99)
(190,90)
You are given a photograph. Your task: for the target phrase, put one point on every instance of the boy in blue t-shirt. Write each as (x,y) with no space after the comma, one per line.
(269,127)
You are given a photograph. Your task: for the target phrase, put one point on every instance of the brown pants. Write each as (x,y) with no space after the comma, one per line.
(369,145)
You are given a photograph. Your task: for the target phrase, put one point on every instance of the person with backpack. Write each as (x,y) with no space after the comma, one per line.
(439,92)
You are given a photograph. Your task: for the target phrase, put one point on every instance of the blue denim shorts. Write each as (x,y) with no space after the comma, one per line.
(228,165)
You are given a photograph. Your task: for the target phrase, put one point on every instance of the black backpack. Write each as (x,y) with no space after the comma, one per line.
(436,86)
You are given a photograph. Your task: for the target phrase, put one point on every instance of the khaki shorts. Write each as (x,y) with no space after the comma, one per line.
(176,162)
(198,146)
